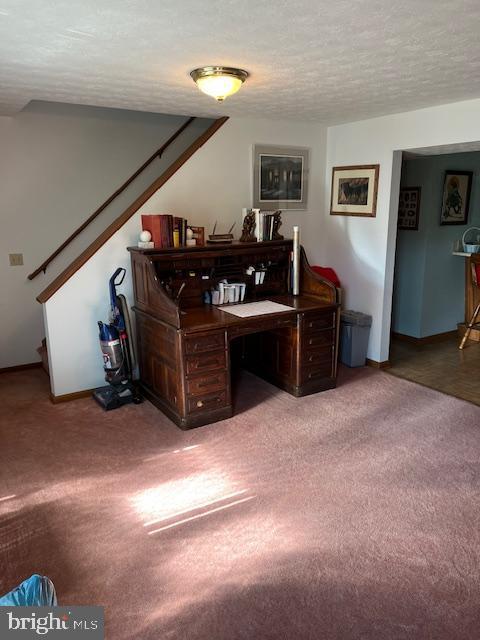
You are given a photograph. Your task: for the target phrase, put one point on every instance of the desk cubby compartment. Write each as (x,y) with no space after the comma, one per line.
(268,287)
(185,278)
(275,281)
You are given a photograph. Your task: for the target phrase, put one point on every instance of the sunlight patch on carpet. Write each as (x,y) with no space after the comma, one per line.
(201,515)
(178,497)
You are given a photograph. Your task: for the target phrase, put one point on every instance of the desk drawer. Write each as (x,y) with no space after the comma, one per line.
(318,322)
(286,322)
(320,339)
(321,367)
(205,362)
(261,324)
(207,383)
(318,355)
(204,342)
(208,402)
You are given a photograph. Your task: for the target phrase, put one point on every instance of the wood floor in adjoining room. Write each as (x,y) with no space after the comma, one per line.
(440,365)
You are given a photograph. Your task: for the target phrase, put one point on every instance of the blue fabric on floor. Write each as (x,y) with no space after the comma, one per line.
(36,591)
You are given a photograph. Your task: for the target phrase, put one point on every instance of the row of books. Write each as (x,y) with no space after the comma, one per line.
(263,223)
(170,231)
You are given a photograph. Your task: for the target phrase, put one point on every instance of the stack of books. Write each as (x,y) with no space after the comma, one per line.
(167,230)
(263,223)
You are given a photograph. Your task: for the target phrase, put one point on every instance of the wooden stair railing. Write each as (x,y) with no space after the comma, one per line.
(128,213)
(158,154)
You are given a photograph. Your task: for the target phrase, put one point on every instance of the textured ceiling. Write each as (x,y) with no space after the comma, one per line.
(330,62)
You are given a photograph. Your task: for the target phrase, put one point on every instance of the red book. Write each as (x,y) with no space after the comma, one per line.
(152,223)
(160,226)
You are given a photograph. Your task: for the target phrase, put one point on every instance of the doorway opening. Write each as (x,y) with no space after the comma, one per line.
(439,210)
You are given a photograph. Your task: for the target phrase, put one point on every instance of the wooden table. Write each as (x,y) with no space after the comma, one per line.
(472,298)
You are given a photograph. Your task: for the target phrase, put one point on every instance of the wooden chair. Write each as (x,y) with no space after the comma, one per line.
(475,266)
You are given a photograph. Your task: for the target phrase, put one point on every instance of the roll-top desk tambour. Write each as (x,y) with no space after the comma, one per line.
(183,344)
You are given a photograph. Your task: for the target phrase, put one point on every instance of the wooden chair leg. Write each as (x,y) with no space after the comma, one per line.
(469,328)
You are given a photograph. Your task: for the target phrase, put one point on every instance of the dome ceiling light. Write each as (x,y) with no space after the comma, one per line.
(219,82)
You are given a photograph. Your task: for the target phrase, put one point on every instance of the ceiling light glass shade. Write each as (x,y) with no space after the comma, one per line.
(219,82)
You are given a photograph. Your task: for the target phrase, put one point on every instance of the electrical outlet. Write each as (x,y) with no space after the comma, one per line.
(16,259)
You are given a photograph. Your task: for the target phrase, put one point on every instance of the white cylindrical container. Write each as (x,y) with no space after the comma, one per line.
(296,262)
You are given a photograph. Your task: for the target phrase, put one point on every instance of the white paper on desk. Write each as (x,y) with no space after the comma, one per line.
(260,308)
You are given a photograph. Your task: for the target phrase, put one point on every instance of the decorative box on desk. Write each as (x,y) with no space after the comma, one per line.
(184,344)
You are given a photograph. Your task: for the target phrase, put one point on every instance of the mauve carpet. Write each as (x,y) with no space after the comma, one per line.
(352,513)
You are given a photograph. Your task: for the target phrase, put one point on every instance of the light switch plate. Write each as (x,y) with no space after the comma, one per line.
(16,259)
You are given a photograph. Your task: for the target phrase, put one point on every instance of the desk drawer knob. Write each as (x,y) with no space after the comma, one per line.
(199,403)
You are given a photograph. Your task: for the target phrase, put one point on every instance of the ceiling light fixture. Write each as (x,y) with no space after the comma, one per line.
(219,82)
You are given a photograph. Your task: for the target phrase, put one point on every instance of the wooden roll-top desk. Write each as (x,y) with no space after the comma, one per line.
(183,344)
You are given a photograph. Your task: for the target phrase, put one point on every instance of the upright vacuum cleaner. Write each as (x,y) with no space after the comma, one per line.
(117,351)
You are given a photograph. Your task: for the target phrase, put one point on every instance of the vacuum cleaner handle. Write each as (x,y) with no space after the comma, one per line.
(119,271)
(113,286)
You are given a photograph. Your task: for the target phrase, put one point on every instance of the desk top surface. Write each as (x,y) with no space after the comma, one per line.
(211,317)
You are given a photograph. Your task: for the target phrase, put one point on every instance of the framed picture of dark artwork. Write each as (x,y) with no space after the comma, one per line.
(280,177)
(457,186)
(409,208)
(354,190)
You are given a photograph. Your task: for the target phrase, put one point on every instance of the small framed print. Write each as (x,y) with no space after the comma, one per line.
(409,208)
(354,191)
(457,186)
(280,177)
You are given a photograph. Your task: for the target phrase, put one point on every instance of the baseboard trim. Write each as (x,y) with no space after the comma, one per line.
(436,337)
(68,397)
(378,365)
(22,367)
(474,333)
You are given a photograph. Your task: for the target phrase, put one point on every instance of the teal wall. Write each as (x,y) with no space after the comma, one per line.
(429,283)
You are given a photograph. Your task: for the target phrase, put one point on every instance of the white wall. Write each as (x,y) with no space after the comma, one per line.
(71,315)
(213,185)
(58,164)
(362,250)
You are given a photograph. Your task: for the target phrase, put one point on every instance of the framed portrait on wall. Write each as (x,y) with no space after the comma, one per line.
(280,177)
(354,190)
(457,186)
(409,208)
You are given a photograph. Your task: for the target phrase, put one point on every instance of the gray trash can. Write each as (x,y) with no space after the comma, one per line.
(354,333)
